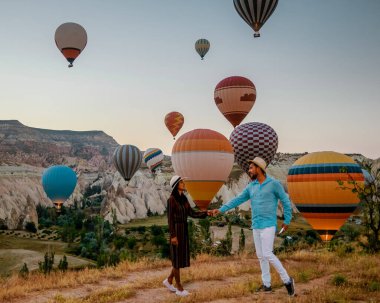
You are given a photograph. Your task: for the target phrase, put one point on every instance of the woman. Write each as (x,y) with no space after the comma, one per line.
(178,211)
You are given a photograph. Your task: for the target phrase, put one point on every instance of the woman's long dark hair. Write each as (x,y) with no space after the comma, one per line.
(176,194)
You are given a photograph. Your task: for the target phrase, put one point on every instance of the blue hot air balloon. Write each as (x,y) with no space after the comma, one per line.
(59,182)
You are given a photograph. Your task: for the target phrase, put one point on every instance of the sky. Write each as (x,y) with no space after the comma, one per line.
(316,68)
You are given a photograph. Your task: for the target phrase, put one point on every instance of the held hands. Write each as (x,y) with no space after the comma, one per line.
(213,212)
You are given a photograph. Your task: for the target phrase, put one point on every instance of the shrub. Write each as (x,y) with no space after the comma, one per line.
(339,280)
(24,271)
(31,227)
(63,264)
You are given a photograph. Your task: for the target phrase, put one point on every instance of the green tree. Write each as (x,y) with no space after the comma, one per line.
(241,240)
(63,264)
(46,265)
(24,271)
(229,238)
(369,195)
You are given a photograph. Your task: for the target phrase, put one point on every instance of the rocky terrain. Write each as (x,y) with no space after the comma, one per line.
(25,152)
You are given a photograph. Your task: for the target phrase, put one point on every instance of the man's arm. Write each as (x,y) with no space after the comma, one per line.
(244,196)
(286,204)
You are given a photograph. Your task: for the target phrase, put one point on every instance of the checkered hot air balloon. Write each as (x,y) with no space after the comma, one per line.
(71,39)
(235,97)
(174,122)
(313,188)
(204,158)
(252,140)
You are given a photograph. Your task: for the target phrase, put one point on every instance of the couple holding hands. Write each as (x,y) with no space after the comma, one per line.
(264,193)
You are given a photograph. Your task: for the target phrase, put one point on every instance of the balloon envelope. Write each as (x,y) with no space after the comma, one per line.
(235,97)
(202,46)
(313,188)
(174,122)
(71,39)
(127,160)
(255,12)
(153,158)
(59,182)
(204,158)
(252,140)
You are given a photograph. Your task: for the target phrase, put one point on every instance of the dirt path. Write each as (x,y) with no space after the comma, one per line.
(161,294)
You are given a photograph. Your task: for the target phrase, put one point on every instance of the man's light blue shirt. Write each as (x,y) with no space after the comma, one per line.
(264,200)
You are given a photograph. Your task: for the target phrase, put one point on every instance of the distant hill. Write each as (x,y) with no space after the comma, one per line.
(44,147)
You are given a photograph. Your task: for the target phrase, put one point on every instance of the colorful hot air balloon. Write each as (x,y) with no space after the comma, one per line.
(59,182)
(235,97)
(252,140)
(153,158)
(255,12)
(127,160)
(174,122)
(313,187)
(202,46)
(71,39)
(204,158)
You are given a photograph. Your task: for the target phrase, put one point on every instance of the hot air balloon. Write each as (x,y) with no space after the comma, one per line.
(127,160)
(235,97)
(255,12)
(174,122)
(252,140)
(71,39)
(204,158)
(59,182)
(313,187)
(202,46)
(153,158)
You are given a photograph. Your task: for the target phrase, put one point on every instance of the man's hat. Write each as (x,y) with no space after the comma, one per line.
(260,163)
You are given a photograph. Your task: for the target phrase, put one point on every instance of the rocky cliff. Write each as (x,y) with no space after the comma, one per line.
(25,152)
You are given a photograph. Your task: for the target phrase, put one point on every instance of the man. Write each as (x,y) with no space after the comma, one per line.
(264,193)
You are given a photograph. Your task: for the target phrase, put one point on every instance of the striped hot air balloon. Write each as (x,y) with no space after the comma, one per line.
(255,12)
(313,187)
(59,182)
(174,122)
(252,140)
(204,158)
(71,39)
(235,97)
(153,158)
(202,46)
(127,160)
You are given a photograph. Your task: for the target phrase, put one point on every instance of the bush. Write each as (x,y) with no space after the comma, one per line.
(63,264)
(339,280)
(131,242)
(47,265)
(24,271)
(156,230)
(374,286)
(31,227)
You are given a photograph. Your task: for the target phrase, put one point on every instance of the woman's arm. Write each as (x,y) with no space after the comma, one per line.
(171,223)
(194,214)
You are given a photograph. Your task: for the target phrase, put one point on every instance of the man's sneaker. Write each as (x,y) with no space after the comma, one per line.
(290,287)
(264,288)
(169,286)
(182,293)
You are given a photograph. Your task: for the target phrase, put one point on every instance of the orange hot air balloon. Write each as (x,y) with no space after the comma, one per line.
(235,97)
(313,187)
(174,122)
(204,158)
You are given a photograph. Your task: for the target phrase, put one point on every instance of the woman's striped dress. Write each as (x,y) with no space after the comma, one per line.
(178,211)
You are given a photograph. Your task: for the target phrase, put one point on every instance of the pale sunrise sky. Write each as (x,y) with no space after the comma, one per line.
(316,69)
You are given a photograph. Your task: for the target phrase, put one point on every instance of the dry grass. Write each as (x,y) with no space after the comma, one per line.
(231,277)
